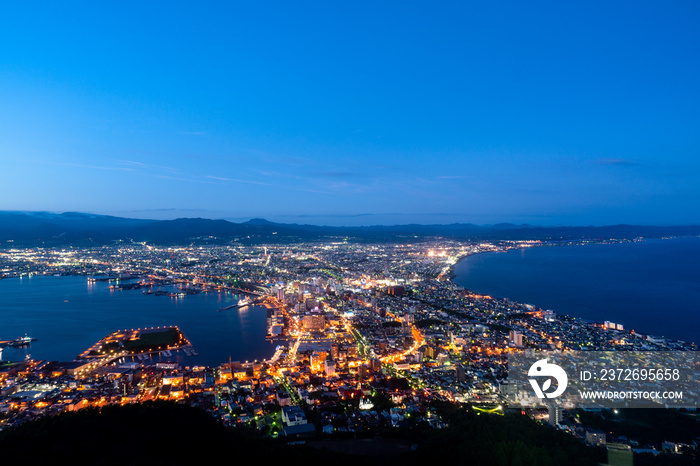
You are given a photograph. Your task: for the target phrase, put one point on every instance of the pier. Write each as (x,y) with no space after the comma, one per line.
(137,342)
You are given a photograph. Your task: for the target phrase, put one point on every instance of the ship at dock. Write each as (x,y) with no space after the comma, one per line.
(243,302)
(17,342)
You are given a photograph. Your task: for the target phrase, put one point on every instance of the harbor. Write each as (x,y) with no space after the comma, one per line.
(38,306)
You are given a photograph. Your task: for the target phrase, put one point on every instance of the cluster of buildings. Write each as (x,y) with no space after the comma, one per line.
(368,335)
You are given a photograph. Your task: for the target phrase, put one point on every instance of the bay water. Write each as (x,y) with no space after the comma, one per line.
(68,314)
(650,286)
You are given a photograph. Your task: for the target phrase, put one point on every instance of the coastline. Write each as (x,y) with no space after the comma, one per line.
(542,244)
(649,328)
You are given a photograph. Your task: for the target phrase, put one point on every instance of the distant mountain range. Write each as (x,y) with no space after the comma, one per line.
(31,229)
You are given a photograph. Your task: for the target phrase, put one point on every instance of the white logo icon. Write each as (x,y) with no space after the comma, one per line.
(544,369)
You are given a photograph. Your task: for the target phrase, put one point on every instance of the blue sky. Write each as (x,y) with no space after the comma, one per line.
(353,113)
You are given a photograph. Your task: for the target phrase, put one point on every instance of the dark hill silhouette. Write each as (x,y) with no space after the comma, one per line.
(28,229)
(165,433)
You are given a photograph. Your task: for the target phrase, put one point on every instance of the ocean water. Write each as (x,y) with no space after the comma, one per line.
(67,315)
(650,286)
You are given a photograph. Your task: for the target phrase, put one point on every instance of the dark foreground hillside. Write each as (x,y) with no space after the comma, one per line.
(171,434)
(159,433)
(165,433)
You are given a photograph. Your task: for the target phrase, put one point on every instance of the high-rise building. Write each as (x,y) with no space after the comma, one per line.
(555,414)
(461,375)
(314,321)
(329,367)
(516,338)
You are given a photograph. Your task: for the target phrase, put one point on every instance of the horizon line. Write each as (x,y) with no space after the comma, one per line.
(259,218)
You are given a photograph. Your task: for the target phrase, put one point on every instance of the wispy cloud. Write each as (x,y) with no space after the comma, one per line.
(387,214)
(130,162)
(275,185)
(145,166)
(189,180)
(280,175)
(343,187)
(336,215)
(96,167)
(171,209)
(162,167)
(333,174)
(617,162)
(271,158)
(166,213)
(237,180)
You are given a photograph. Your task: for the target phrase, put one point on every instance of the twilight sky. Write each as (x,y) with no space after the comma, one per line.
(353,113)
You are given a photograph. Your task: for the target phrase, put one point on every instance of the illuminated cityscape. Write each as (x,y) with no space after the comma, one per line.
(366,335)
(325,232)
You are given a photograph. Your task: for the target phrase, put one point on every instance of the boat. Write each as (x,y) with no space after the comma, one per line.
(21,341)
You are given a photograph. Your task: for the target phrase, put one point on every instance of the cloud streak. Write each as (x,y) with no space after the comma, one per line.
(333,174)
(237,180)
(189,180)
(617,162)
(96,167)
(392,214)
(130,162)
